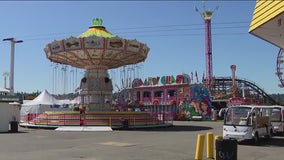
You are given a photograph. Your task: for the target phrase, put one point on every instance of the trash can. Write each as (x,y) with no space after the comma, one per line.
(14,126)
(125,124)
(226,149)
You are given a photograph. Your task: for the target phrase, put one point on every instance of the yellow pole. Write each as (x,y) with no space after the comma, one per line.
(209,138)
(216,138)
(199,147)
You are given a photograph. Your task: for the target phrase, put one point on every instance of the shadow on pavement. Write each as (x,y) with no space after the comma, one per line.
(174,128)
(274,141)
(267,142)
(13,132)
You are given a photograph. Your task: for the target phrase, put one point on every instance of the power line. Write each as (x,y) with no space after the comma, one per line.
(187,29)
(150,29)
(177,25)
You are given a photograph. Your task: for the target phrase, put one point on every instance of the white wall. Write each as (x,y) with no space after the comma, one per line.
(8,113)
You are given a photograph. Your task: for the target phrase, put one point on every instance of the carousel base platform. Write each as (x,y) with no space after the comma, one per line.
(90,128)
(96,121)
(70,128)
(84,129)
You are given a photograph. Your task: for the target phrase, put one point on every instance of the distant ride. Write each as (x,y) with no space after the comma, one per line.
(168,96)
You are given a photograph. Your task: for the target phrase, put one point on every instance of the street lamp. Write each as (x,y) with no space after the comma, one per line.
(5,74)
(13,41)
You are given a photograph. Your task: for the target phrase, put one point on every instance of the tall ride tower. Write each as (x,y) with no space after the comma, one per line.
(207,15)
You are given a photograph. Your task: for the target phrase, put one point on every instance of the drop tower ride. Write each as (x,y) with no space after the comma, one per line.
(207,15)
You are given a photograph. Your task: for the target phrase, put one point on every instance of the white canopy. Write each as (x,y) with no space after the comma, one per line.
(44,98)
(4,90)
(43,102)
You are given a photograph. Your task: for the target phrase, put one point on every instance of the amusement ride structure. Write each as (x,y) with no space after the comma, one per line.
(96,51)
(224,88)
(279,67)
(147,103)
(207,15)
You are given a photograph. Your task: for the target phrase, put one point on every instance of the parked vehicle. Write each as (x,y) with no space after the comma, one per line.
(277,118)
(247,122)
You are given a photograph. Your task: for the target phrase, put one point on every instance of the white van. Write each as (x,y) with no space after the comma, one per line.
(247,122)
(277,118)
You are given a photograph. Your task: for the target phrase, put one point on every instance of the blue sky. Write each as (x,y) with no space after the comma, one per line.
(174,31)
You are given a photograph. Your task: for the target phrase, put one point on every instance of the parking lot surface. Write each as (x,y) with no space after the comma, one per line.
(171,143)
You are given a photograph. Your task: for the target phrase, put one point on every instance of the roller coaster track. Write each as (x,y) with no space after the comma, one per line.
(251,89)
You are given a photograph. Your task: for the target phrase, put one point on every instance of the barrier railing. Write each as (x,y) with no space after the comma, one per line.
(97,118)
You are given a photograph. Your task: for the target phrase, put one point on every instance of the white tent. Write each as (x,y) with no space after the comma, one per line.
(44,98)
(43,102)
(4,91)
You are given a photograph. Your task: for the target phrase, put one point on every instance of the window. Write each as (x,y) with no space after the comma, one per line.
(158,94)
(172,93)
(147,94)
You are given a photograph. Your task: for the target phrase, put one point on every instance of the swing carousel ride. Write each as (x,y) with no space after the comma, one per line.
(96,51)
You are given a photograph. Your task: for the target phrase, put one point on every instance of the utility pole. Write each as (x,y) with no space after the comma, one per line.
(13,41)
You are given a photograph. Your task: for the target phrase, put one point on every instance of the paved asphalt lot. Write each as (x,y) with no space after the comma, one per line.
(173,143)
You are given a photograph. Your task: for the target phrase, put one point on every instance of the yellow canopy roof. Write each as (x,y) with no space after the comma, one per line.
(97,30)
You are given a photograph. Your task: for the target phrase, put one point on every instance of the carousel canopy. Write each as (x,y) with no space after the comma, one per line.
(97,30)
(96,47)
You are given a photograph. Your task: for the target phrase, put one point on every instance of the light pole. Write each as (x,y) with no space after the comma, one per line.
(13,41)
(5,74)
